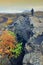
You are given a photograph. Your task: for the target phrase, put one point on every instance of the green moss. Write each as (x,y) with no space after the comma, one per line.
(12,33)
(0,64)
(17,51)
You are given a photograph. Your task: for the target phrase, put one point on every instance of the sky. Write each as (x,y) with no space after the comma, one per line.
(20,5)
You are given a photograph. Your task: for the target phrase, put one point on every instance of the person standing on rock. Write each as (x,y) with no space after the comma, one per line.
(32,12)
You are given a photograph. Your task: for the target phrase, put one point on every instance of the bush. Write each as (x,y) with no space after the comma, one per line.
(18,50)
(9,45)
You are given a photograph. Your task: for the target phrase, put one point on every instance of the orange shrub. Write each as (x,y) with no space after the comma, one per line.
(7,42)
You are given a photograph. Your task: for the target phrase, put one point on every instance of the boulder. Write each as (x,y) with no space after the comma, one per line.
(34,58)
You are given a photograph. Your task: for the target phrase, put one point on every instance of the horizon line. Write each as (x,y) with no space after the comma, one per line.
(17,11)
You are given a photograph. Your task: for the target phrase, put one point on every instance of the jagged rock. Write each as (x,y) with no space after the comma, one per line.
(42,44)
(23,27)
(41,47)
(38,24)
(27,48)
(35,43)
(34,58)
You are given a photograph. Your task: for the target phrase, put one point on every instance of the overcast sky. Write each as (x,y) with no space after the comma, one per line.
(20,5)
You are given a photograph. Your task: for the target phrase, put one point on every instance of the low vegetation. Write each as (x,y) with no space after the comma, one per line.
(9,45)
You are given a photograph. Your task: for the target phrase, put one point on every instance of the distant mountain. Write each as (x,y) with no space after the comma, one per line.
(26,11)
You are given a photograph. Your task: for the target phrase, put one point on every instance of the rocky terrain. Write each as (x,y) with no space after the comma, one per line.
(29,31)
